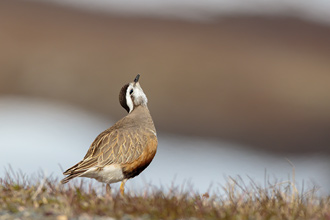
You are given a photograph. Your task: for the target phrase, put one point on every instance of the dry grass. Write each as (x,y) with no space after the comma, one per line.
(44,198)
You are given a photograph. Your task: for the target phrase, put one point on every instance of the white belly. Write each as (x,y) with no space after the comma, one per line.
(109,174)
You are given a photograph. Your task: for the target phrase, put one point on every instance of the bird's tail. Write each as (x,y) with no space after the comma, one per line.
(71,176)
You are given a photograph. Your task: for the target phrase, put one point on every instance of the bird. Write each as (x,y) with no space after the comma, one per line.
(124,150)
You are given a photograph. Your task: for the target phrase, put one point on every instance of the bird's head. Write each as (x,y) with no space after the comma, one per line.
(131,95)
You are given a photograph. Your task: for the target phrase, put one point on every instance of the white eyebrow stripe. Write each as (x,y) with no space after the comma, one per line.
(129,101)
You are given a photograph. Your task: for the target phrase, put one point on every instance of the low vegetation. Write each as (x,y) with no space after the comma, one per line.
(44,198)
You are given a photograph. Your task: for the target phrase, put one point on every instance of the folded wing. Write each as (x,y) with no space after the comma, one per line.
(119,146)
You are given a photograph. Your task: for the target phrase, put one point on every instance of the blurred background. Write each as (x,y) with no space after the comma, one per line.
(234,87)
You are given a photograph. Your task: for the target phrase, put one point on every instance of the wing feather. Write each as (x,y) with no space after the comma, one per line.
(113,146)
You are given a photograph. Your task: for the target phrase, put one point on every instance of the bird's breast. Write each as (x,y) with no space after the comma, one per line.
(133,169)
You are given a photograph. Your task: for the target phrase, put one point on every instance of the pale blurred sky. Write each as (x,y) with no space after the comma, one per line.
(202,10)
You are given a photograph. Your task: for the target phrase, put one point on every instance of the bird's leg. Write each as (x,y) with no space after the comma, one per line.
(108,189)
(122,187)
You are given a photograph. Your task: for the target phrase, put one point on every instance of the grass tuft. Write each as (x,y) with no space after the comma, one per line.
(46,198)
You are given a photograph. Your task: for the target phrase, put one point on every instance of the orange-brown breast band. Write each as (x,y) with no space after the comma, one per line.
(133,169)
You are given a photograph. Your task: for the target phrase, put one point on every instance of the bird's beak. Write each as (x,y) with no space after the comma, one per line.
(136,79)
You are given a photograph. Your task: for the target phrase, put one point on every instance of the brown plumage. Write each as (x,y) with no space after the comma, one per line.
(124,150)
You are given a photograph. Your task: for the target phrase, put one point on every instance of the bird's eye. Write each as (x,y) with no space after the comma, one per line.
(130,92)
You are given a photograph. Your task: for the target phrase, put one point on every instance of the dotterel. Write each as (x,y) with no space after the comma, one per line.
(124,150)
